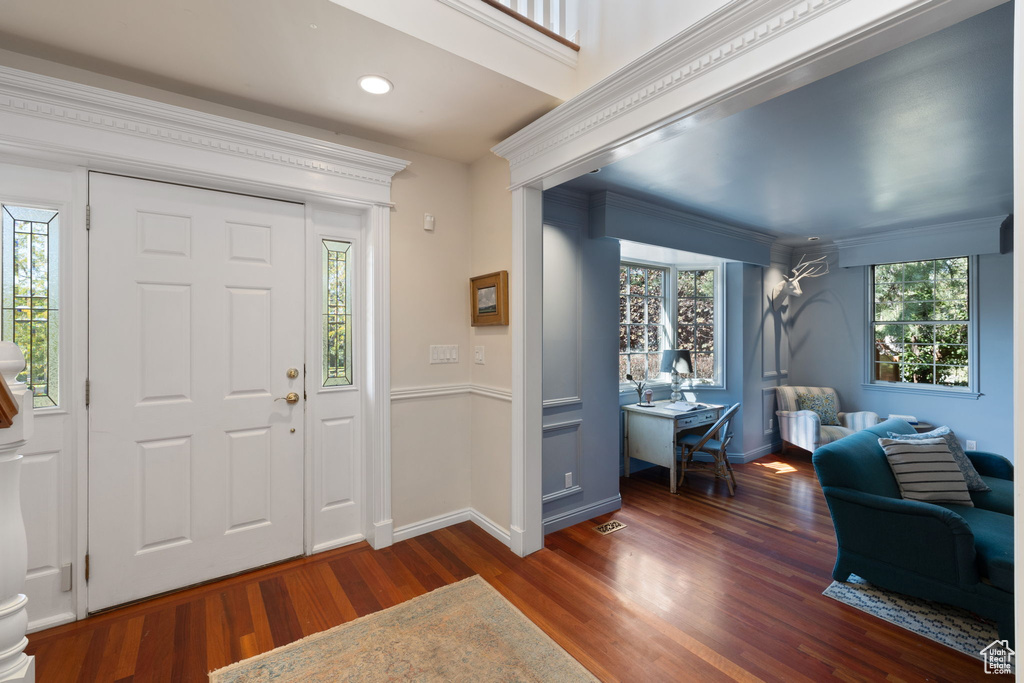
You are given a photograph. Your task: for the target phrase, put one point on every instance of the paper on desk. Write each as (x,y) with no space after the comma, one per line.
(683,406)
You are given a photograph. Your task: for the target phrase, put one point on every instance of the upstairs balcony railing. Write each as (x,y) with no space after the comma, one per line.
(547,16)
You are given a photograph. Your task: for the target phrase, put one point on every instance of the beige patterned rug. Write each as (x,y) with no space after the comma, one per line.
(463,632)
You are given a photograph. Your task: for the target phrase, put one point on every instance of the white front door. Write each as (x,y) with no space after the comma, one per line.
(196,319)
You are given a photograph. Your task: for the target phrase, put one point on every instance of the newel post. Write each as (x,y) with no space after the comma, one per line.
(15,430)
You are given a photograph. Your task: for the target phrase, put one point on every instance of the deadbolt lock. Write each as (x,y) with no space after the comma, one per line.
(292,373)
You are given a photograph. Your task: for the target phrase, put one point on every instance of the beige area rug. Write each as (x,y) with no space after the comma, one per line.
(466,631)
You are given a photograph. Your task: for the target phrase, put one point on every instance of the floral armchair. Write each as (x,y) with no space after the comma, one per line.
(805,428)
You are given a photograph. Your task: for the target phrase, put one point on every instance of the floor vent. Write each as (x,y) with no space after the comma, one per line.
(609,527)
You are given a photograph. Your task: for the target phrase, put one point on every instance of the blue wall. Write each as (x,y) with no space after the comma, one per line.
(827,345)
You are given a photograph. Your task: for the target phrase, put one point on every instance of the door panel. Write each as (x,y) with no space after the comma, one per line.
(196,315)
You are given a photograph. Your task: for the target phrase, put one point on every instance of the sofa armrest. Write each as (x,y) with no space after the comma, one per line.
(991,464)
(922,538)
(859,420)
(800,427)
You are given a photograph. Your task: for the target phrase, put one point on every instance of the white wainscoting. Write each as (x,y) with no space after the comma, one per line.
(436,522)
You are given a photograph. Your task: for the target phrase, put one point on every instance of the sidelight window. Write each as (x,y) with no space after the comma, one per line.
(31,296)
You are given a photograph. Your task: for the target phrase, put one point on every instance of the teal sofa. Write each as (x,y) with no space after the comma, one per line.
(954,554)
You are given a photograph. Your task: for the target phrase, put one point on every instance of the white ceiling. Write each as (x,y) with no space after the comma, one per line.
(921,135)
(264,56)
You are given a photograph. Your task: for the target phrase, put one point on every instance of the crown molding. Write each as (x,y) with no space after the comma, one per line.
(724,35)
(782,254)
(515,29)
(685,219)
(42,97)
(922,233)
(574,199)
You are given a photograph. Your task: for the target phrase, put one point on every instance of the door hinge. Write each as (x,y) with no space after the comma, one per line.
(87,392)
(87,567)
(88,217)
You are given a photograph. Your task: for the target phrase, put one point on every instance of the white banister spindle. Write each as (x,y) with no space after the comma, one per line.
(15,665)
(560,28)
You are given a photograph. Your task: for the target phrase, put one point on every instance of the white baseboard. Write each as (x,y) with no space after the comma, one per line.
(490,527)
(50,621)
(425,526)
(383,534)
(577,515)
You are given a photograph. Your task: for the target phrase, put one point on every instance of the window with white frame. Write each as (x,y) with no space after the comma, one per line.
(31,295)
(921,323)
(647,292)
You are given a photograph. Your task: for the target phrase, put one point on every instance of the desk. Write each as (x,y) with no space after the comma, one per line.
(650,433)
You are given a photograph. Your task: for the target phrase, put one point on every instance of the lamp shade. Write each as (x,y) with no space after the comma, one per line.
(676,360)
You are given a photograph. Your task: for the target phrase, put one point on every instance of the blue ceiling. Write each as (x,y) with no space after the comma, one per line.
(917,136)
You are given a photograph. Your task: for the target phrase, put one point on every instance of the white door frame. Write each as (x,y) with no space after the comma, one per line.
(80,128)
(741,55)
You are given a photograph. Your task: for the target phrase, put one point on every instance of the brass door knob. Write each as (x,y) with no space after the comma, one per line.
(292,397)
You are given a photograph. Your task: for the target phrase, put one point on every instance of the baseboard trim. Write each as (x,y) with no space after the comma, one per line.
(383,534)
(51,621)
(490,526)
(425,526)
(570,517)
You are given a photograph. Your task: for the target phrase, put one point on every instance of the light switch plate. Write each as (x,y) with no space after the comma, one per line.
(444,353)
(478,355)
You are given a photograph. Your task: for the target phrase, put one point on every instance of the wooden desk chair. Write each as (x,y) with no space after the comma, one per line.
(714,443)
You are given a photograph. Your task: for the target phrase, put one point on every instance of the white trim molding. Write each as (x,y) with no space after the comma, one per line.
(127,131)
(425,526)
(736,50)
(515,29)
(445,390)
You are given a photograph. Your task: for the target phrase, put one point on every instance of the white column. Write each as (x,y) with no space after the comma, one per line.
(526,302)
(15,665)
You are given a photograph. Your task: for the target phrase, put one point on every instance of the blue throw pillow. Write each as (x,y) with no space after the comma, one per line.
(823,404)
(971,476)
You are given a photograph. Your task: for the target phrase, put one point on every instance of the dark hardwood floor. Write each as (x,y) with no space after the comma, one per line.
(699,586)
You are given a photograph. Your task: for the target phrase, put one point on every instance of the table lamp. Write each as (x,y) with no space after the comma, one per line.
(677,362)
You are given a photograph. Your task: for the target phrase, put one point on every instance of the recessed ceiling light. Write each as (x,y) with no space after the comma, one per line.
(376,85)
(813,239)
(313,26)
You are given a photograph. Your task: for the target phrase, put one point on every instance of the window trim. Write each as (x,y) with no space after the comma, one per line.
(670,300)
(971,391)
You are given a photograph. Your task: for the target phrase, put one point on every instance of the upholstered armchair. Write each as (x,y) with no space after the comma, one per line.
(804,428)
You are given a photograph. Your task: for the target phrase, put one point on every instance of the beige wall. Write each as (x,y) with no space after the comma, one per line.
(433,439)
(490,446)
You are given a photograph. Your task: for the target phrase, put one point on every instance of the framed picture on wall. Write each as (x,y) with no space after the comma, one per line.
(488,299)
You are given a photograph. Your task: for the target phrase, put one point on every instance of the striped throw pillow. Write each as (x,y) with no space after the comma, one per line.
(926,471)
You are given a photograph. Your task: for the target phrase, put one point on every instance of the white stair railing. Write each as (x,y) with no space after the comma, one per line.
(551,14)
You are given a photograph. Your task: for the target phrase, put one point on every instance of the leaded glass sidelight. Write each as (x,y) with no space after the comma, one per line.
(337,314)
(31,295)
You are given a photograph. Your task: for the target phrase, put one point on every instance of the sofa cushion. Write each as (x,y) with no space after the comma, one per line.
(822,404)
(971,476)
(998,497)
(993,539)
(926,471)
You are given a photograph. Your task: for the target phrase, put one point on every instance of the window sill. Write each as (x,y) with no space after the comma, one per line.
(922,390)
